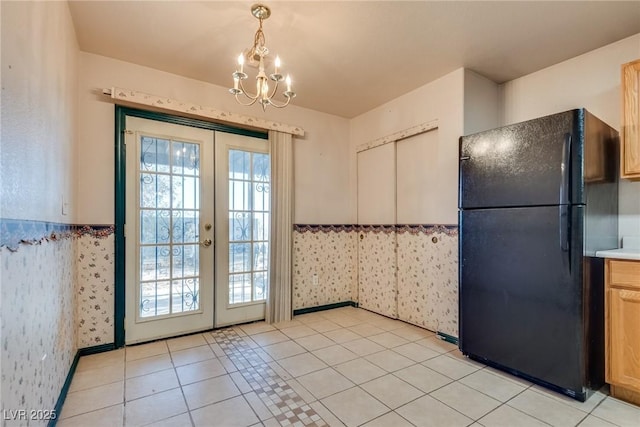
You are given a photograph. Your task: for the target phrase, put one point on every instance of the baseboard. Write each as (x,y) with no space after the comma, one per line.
(72,370)
(447,337)
(625,394)
(324,307)
(65,389)
(97,349)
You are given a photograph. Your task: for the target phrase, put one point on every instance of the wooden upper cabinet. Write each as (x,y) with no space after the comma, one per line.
(630,133)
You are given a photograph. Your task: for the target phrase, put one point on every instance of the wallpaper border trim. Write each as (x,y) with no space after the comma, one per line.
(16,232)
(415,229)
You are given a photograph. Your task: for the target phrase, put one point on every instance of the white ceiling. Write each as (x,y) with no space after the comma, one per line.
(347,57)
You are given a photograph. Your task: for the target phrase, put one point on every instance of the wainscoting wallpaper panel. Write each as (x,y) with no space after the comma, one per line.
(330,252)
(38,305)
(377,288)
(94,288)
(428,277)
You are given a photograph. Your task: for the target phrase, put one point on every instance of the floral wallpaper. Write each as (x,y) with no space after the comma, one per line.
(330,252)
(428,277)
(409,272)
(57,296)
(94,289)
(377,288)
(38,329)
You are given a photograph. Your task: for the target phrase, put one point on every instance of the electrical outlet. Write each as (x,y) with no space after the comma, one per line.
(315,280)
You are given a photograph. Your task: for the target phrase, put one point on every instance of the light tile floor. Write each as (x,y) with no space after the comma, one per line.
(343,367)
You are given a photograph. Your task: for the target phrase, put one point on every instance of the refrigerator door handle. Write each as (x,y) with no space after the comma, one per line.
(565,172)
(565,233)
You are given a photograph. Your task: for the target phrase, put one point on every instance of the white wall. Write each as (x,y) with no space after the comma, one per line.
(481,103)
(441,99)
(321,157)
(39,60)
(592,81)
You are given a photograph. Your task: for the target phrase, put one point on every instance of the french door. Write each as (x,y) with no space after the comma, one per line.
(242,238)
(196,229)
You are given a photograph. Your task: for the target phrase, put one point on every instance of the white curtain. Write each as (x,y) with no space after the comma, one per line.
(278,307)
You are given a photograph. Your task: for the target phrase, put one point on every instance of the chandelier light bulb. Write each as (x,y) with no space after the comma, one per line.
(288,83)
(277,65)
(241,62)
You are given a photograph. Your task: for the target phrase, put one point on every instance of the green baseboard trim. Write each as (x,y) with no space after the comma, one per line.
(72,370)
(324,307)
(97,349)
(65,389)
(447,338)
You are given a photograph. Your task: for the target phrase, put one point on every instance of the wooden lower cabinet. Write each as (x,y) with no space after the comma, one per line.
(623,329)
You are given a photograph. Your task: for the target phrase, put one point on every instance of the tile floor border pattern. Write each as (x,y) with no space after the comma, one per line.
(345,366)
(285,404)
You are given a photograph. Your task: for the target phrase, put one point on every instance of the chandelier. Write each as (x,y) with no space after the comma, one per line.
(257,56)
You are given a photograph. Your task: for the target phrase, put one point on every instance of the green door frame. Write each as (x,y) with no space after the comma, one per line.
(121,114)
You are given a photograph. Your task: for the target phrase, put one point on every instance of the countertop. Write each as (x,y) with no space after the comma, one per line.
(622,253)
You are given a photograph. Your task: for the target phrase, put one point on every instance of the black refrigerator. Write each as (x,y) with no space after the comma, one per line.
(537,199)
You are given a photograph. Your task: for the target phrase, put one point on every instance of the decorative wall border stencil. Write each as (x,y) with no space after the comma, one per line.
(429,229)
(377,228)
(397,136)
(132,97)
(14,232)
(322,228)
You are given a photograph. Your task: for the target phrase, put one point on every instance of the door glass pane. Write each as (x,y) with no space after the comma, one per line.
(261,167)
(249,178)
(169,224)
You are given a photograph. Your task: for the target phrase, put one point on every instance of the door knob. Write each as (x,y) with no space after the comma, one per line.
(206,243)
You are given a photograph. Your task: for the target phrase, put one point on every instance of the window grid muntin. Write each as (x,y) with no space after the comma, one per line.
(169,170)
(252,181)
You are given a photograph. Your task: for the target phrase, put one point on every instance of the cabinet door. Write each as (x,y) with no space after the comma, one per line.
(630,155)
(624,338)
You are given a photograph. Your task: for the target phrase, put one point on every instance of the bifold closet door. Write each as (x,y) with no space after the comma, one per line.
(377,289)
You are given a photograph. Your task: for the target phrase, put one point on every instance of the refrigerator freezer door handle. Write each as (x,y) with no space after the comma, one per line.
(565,172)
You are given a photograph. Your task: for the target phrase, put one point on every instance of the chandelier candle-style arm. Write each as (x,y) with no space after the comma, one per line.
(257,53)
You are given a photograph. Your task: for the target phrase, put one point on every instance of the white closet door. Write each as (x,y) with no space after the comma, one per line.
(420,279)
(377,185)
(377,287)
(418,180)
